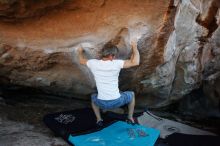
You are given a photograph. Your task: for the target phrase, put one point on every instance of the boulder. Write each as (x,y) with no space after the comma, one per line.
(178,41)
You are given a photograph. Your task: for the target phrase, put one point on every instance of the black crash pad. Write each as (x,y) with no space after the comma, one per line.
(75,122)
(178,139)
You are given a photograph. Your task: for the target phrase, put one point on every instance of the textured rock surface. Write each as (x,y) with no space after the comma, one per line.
(178,41)
(40,52)
(22,134)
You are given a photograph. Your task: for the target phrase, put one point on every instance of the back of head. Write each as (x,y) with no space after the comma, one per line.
(109,49)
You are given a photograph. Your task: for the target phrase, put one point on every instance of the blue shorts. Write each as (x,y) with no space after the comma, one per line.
(125,98)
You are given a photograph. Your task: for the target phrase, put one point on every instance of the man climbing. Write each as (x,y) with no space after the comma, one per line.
(106,72)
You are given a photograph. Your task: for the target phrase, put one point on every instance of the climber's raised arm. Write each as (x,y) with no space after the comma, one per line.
(135,57)
(81,57)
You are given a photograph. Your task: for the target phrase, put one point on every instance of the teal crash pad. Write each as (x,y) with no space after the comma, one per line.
(118,134)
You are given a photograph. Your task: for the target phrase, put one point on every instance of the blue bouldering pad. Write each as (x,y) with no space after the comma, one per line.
(118,134)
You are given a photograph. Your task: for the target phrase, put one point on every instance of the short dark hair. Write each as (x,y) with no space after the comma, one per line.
(109,49)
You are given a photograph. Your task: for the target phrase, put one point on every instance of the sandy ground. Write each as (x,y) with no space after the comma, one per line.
(21,121)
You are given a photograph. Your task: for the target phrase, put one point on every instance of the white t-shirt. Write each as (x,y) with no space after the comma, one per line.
(106,76)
